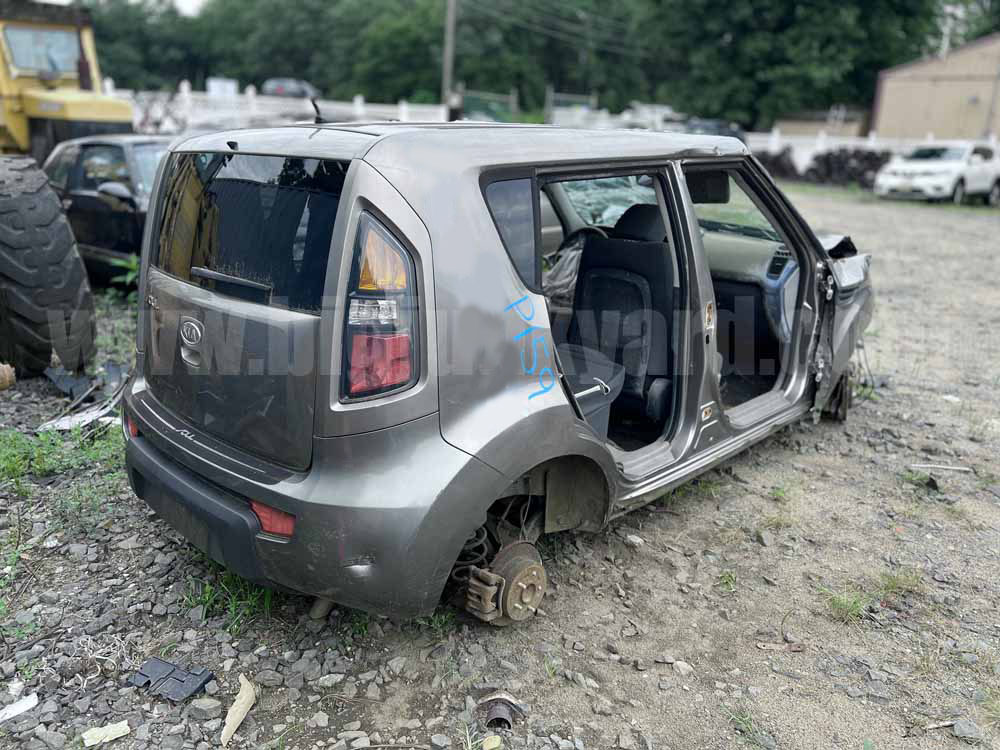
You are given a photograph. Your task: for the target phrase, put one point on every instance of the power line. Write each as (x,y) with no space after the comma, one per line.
(577,28)
(580,38)
(557,9)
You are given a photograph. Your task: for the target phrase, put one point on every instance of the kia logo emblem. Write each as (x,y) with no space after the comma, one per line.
(191,331)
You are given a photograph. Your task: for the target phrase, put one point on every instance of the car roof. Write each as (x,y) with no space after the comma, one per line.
(462,144)
(122,138)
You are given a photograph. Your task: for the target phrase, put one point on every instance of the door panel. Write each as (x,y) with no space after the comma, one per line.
(98,220)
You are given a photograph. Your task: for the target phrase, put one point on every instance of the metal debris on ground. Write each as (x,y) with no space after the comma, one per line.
(238,711)
(107,733)
(17,708)
(793,647)
(938,467)
(7,376)
(77,387)
(501,709)
(169,680)
(100,412)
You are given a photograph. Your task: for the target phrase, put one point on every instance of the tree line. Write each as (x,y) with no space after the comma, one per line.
(740,61)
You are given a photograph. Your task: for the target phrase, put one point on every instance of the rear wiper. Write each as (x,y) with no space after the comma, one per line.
(234,286)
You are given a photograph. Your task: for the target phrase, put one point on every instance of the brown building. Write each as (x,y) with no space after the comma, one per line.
(953,96)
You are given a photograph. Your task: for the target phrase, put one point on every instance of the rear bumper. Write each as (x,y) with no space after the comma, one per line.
(379,518)
(220,525)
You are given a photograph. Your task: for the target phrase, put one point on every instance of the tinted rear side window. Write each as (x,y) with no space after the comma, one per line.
(254,227)
(510,203)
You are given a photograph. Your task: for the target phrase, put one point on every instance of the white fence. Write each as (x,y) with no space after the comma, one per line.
(163,112)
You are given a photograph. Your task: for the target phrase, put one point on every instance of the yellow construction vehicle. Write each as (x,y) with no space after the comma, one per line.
(50,91)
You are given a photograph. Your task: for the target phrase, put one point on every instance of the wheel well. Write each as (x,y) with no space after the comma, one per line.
(573,490)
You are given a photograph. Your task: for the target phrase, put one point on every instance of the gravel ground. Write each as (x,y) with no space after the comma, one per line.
(815,592)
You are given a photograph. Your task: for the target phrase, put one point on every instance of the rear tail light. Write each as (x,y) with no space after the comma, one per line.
(272,520)
(379,332)
(130,427)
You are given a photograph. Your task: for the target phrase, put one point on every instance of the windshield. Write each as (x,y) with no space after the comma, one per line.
(604,200)
(147,159)
(938,153)
(53,50)
(739,215)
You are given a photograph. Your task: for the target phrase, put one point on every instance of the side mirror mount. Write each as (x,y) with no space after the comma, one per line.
(976,159)
(118,191)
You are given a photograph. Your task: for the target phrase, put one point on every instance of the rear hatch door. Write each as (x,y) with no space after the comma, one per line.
(235,291)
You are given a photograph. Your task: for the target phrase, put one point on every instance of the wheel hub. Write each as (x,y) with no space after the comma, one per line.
(525,582)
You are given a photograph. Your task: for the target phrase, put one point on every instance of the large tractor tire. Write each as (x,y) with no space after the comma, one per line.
(45,299)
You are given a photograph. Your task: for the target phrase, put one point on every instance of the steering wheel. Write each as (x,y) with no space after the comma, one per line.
(575,235)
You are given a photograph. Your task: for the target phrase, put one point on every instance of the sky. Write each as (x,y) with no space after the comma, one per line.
(187,7)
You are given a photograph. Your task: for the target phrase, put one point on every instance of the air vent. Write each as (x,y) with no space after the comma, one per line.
(779,261)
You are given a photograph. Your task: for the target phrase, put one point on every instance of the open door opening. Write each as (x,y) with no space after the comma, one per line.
(755,278)
(610,276)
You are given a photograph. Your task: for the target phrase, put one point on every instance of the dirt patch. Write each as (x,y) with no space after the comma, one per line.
(815,592)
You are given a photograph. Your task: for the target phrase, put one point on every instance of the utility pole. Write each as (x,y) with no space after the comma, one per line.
(448,58)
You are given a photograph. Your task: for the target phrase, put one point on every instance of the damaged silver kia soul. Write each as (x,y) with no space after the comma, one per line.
(376,362)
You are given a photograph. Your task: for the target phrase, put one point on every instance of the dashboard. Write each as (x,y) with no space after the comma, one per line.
(759,261)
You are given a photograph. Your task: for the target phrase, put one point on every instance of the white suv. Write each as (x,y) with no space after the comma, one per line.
(943,172)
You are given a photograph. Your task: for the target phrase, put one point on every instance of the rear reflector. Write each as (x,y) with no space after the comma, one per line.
(133,431)
(272,520)
(378,362)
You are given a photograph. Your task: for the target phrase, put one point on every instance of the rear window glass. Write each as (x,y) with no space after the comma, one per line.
(254,227)
(510,203)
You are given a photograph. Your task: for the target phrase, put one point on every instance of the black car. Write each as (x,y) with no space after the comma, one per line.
(104,184)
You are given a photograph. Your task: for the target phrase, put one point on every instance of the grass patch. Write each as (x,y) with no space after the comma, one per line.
(916,478)
(47,453)
(84,505)
(743,722)
(929,659)
(991,709)
(727,581)
(848,606)
(901,581)
(356,623)
(442,622)
(227,595)
(697,489)
(551,666)
(778,522)
(116,321)
(779,494)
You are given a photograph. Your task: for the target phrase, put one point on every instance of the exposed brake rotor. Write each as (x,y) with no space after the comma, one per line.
(513,587)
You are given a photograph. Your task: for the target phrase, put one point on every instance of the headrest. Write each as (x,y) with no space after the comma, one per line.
(641,222)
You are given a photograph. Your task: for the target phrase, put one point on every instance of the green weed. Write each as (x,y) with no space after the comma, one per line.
(916,478)
(727,581)
(991,709)
(551,666)
(901,581)
(357,623)
(227,595)
(743,722)
(778,522)
(440,623)
(848,606)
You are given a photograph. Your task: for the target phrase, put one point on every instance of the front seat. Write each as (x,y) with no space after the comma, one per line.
(623,308)
(642,222)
